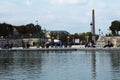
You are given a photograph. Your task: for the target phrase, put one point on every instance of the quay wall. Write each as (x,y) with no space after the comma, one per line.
(18,42)
(62,49)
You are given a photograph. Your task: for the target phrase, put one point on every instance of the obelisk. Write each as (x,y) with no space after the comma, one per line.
(93,21)
(93,25)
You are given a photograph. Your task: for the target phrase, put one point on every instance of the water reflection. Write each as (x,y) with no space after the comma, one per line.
(93,65)
(115,62)
(17,65)
(59,65)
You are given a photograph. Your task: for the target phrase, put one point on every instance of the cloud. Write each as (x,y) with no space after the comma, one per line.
(28,2)
(60,14)
(69,2)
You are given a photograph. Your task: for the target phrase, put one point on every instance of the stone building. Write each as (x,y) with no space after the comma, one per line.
(19,42)
(114,39)
(103,40)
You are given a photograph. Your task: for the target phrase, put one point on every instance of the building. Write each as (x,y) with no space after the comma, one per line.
(58,33)
(115,40)
(61,32)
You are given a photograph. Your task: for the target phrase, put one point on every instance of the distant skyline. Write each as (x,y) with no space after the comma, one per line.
(73,16)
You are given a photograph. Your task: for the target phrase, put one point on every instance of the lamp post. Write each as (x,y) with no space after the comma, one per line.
(68,40)
(44,35)
(37,22)
(52,39)
(87,38)
(99,31)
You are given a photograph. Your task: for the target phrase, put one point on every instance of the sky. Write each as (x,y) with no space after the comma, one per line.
(73,16)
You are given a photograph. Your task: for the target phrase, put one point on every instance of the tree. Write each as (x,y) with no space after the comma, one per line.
(29,30)
(6,29)
(89,34)
(115,27)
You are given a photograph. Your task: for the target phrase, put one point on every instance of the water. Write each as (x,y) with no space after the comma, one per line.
(60,65)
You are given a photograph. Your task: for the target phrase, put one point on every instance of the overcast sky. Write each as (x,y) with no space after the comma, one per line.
(73,16)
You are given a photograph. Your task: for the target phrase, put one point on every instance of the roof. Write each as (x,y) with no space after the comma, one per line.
(60,31)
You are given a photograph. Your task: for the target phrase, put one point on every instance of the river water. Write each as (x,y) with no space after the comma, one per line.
(59,65)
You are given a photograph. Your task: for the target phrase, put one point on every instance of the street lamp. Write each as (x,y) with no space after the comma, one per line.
(99,31)
(68,40)
(37,22)
(53,39)
(87,38)
(91,24)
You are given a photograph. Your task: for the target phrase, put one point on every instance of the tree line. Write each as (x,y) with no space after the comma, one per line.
(35,31)
(29,30)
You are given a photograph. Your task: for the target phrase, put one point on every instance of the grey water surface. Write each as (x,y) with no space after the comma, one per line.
(59,65)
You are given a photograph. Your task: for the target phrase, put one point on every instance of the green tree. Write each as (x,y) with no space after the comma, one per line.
(115,27)
(53,35)
(89,34)
(6,29)
(29,30)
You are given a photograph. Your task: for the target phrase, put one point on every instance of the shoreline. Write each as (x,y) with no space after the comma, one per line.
(62,49)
